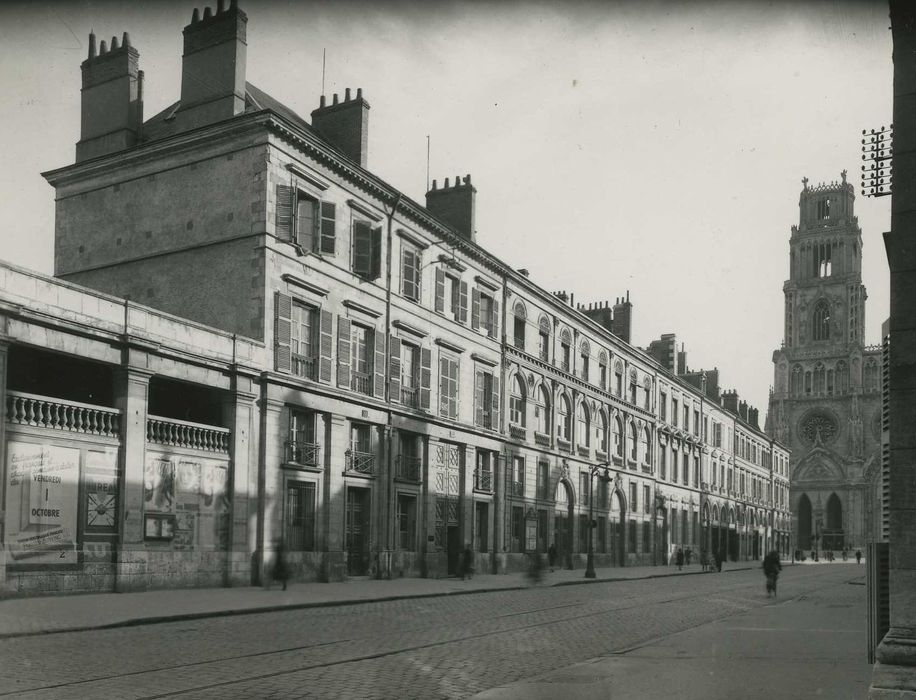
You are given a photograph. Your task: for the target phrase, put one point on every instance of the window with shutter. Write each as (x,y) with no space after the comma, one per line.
(425,378)
(494,319)
(306,223)
(394,359)
(463,302)
(282,321)
(379,383)
(328,232)
(362,249)
(325,344)
(410,272)
(440,291)
(475,308)
(448,386)
(343,352)
(285,211)
(304,340)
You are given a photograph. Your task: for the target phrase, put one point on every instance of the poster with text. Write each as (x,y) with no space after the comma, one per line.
(41,503)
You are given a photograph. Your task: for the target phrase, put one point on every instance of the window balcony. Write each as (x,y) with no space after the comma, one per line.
(564,445)
(564,365)
(408,467)
(195,436)
(305,367)
(518,432)
(583,450)
(483,480)
(601,455)
(360,462)
(517,488)
(541,439)
(410,396)
(59,414)
(361,382)
(308,453)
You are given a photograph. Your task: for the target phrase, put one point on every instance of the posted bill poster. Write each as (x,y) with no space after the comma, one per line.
(42,491)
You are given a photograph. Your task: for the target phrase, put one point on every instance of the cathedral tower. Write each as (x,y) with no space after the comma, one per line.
(825,402)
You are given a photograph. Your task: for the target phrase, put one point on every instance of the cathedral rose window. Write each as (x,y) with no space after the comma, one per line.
(818,422)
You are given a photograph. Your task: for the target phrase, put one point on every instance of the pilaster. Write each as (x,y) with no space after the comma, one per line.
(334,566)
(131,399)
(240,416)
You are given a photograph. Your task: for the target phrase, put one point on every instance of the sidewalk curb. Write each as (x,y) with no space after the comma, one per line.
(234,612)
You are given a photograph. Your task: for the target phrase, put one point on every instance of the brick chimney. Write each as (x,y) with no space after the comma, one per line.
(742,410)
(345,125)
(623,318)
(753,417)
(111,103)
(454,205)
(730,401)
(213,65)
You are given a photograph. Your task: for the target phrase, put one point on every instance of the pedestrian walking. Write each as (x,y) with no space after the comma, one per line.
(703,562)
(552,555)
(467,562)
(771,569)
(687,556)
(719,559)
(845,554)
(279,572)
(858,556)
(535,568)
(679,558)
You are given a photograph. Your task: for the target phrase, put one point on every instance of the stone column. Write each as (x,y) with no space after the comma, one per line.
(240,416)
(4,362)
(270,486)
(131,399)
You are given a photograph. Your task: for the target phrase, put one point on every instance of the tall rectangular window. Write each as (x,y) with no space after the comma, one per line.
(543,483)
(362,350)
(686,417)
(301,447)
(544,346)
(410,375)
(407,522)
(485,398)
(674,464)
(662,463)
(518,332)
(583,366)
(685,471)
(410,271)
(304,340)
(584,490)
(663,406)
(300,516)
(631,536)
(696,422)
(674,414)
(517,535)
(327,228)
(564,356)
(448,386)
(634,503)
(646,537)
(602,376)
(517,484)
(646,500)
(488,319)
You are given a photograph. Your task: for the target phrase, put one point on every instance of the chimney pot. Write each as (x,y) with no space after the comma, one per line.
(457,180)
(103,48)
(208,13)
(92,49)
(467,179)
(445,185)
(347,95)
(321,102)
(125,40)
(434,184)
(220,6)
(335,98)
(195,16)
(114,43)
(359,93)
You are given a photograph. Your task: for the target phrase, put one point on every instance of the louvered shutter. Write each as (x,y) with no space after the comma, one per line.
(462,303)
(328,233)
(325,344)
(394,355)
(440,290)
(475,308)
(426,360)
(286,207)
(494,402)
(343,352)
(362,248)
(283,311)
(494,320)
(379,383)
(375,265)
(479,397)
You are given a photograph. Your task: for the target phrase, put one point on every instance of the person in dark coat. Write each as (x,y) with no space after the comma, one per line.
(679,558)
(552,555)
(858,556)
(280,570)
(467,562)
(720,557)
(771,568)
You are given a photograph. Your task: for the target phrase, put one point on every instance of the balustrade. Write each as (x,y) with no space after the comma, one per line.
(57,414)
(195,436)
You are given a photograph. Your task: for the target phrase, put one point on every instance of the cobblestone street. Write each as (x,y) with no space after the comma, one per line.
(447,647)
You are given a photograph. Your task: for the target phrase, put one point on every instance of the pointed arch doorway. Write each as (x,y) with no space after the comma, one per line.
(833,532)
(562,523)
(803,534)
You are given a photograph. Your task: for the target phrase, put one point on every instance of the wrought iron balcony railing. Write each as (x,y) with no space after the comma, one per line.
(483,480)
(408,467)
(304,366)
(303,453)
(361,382)
(361,462)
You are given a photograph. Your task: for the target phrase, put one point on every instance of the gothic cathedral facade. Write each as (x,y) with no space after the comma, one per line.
(826,398)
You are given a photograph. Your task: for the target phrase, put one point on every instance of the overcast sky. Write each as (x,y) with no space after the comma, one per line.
(655,148)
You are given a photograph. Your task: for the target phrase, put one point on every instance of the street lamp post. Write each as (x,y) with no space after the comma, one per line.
(604,474)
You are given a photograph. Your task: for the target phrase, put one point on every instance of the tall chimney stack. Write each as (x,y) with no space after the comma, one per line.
(345,125)
(111,107)
(454,205)
(213,66)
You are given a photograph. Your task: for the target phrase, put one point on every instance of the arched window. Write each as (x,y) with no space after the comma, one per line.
(564,424)
(565,350)
(821,323)
(647,393)
(797,380)
(617,427)
(517,402)
(807,382)
(644,446)
(602,370)
(583,433)
(634,445)
(602,431)
(519,321)
(842,377)
(585,352)
(544,338)
(618,378)
(542,412)
(818,379)
(632,388)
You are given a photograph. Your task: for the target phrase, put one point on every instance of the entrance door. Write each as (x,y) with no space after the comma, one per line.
(453,548)
(561,535)
(357,531)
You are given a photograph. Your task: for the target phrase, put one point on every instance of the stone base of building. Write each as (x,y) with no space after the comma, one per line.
(894,675)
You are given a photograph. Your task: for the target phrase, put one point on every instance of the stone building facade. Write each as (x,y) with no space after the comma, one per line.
(378,389)
(826,398)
